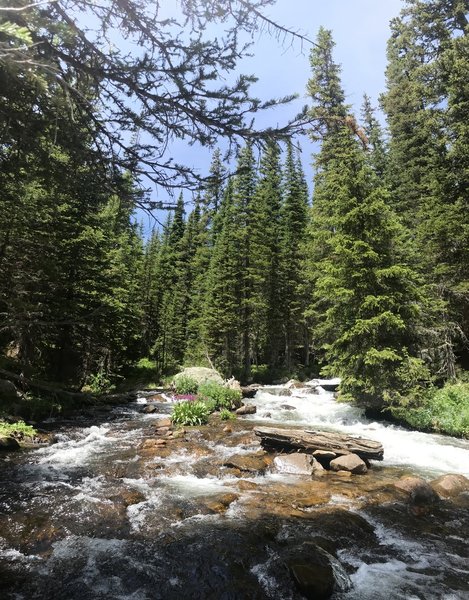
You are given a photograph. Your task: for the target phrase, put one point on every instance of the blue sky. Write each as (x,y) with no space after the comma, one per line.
(360,29)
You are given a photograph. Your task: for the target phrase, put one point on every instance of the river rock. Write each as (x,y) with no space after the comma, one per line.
(348,462)
(149,408)
(163,423)
(8,443)
(420,494)
(316,573)
(246,409)
(451,485)
(287,407)
(249,391)
(297,464)
(251,463)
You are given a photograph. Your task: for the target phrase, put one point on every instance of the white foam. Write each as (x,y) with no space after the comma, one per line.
(428,453)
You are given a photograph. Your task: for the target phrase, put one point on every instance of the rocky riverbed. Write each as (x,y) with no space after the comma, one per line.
(125,506)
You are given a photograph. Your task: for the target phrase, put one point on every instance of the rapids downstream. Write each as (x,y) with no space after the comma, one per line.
(100,515)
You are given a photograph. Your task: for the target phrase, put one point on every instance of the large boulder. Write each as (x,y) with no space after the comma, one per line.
(200,375)
(451,485)
(348,462)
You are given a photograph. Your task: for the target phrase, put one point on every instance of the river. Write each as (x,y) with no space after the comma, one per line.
(96,515)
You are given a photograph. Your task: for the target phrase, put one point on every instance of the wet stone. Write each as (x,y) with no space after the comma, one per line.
(297,464)
(348,462)
(450,485)
(246,409)
(316,573)
(252,463)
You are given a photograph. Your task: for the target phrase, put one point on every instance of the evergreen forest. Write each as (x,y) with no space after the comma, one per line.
(362,273)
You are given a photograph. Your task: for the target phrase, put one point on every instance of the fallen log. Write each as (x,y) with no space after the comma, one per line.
(309,441)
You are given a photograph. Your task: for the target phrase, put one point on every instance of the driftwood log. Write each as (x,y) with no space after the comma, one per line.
(309,441)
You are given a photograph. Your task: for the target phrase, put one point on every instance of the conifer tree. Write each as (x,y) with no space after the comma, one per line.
(425,106)
(293,229)
(375,138)
(222,310)
(365,300)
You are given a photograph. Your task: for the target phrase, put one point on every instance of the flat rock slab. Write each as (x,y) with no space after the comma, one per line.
(310,441)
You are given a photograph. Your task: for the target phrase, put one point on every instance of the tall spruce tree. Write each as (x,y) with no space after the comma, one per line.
(365,300)
(292,232)
(425,107)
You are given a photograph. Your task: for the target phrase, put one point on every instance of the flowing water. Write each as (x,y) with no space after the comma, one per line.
(98,515)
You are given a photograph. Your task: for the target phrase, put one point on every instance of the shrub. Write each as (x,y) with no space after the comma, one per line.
(185,385)
(219,396)
(443,410)
(190,413)
(17,430)
(98,384)
(226,415)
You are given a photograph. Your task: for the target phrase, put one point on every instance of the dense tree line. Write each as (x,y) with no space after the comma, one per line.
(368,281)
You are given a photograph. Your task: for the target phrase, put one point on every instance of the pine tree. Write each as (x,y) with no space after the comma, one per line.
(222,312)
(265,236)
(425,105)
(293,229)
(365,300)
(375,138)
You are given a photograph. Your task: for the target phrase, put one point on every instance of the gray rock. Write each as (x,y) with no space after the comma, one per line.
(348,462)
(297,464)
(249,391)
(149,408)
(200,375)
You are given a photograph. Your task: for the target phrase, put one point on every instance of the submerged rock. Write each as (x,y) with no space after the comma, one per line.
(349,462)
